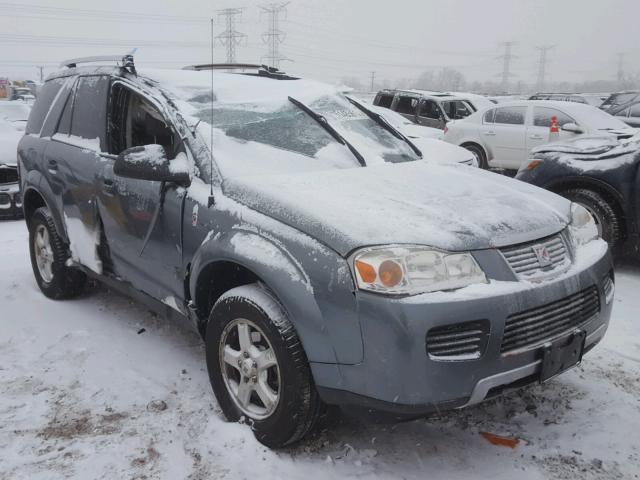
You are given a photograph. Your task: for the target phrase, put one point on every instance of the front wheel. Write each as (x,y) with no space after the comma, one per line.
(479,154)
(257,367)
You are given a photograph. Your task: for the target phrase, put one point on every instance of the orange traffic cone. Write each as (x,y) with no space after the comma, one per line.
(554,130)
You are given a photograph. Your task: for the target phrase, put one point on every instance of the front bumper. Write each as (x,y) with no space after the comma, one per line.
(10,201)
(399,377)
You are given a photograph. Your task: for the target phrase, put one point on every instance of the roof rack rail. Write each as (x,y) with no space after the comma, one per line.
(125,61)
(230,66)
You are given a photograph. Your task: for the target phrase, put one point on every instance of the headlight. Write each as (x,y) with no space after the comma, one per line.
(582,227)
(413,270)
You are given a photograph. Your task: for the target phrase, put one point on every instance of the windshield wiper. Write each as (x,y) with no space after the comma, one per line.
(384,123)
(332,131)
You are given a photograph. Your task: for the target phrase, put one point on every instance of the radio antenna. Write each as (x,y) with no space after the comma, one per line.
(211,199)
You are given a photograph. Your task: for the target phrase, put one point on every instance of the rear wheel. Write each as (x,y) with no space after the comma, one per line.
(478,152)
(257,367)
(602,212)
(49,257)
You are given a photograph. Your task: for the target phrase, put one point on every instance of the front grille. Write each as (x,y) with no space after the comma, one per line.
(526,264)
(537,325)
(5,200)
(460,341)
(8,174)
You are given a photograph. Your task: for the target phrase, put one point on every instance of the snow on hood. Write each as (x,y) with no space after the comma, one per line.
(593,153)
(435,150)
(450,207)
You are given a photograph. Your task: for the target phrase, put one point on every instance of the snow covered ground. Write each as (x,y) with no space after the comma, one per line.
(99,388)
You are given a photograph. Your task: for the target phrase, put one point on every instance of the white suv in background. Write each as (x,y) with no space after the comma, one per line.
(502,136)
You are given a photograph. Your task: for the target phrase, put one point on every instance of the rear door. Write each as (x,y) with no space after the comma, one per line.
(406,106)
(505,137)
(73,158)
(430,114)
(142,219)
(539,125)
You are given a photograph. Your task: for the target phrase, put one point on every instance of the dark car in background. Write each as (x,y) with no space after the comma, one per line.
(593,99)
(629,113)
(601,174)
(10,198)
(620,98)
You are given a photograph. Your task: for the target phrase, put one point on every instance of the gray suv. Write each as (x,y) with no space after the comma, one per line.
(321,258)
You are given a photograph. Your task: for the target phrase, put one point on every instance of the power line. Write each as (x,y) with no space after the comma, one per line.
(542,66)
(506,58)
(274,36)
(621,72)
(230,38)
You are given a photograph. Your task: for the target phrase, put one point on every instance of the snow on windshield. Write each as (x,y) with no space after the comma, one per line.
(257,130)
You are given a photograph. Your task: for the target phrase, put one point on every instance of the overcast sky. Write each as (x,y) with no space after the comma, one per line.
(333,39)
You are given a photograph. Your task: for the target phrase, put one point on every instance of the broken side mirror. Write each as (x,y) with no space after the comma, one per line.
(149,162)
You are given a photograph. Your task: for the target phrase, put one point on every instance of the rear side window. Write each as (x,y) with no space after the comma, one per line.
(407,105)
(510,115)
(430,109)
(456,109)
(489,116)
(635,110)
(542,117)
(90,108)
(385,100)
(40,109)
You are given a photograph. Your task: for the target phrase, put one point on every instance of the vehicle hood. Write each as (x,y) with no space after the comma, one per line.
(446,206)
(592,146)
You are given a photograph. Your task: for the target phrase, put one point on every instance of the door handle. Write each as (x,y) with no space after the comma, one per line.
(490,134)
(536,137)
(108,186)
(52,166)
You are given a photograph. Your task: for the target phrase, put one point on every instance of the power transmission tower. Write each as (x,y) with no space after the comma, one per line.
(230,38)
(507,58)
(621,73)
(373,79)
(41,70)
(542,66)
(274,36)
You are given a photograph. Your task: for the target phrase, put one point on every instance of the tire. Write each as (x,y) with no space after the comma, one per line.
(478,152)
(55,279)
(602,211)
(298,405)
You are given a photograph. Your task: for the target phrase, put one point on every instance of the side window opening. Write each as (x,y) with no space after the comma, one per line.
(489,116)
(43,104)
(407,105)
(430,109)
(385,101)
(510,115)
(542,117)
(135,122)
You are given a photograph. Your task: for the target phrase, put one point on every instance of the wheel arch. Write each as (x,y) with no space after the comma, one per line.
(605,190)
(226,262)
(34,198)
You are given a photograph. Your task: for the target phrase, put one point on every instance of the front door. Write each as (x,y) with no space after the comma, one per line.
(538,128)
(142,219)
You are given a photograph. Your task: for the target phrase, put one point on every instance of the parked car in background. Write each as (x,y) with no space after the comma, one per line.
(424,108)
(15,112)
(23,94)
(321,259)
(629,113)
(600,173)
(593,99)
(620,98)
(503,136)
(10,198)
